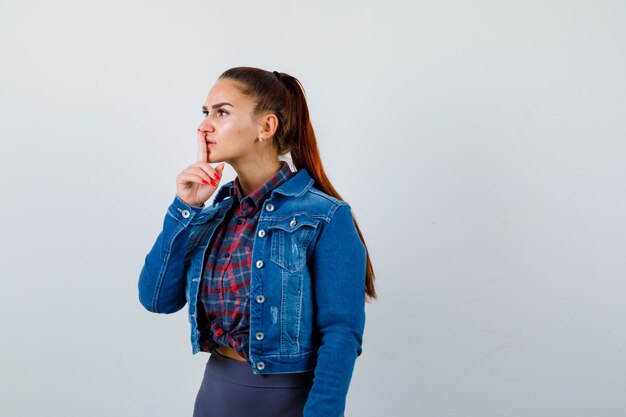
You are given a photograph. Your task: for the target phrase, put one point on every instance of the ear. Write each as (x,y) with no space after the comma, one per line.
(269,125)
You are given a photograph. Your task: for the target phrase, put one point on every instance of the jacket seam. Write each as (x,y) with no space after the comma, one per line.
(328,197)
(164,265)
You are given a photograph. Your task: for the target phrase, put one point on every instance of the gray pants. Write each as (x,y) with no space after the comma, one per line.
(229,388)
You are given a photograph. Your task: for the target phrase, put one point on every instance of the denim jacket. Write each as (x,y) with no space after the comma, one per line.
(307,286)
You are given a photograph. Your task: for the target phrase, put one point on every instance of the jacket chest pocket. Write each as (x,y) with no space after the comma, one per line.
(290,239)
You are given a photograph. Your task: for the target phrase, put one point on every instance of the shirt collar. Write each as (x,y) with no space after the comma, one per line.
(297,185)
(256,198)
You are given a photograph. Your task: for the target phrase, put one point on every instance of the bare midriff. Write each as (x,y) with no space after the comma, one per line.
(230,353)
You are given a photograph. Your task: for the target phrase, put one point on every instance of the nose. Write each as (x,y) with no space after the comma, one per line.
(206,125)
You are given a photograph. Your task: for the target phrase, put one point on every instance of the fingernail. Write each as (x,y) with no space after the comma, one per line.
(204,181)
(217,177)
(213,183)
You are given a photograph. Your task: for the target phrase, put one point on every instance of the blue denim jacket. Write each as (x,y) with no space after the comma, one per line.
(307,287)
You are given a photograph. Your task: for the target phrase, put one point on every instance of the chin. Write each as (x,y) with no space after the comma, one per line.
(214,160)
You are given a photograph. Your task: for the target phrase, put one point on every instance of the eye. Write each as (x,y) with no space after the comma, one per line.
(206,113)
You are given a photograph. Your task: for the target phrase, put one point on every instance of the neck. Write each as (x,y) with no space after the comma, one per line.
(254,174)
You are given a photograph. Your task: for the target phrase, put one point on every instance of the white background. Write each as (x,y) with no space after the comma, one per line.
(480,144)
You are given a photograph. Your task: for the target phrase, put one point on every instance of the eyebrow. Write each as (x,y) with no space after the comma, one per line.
(215,106)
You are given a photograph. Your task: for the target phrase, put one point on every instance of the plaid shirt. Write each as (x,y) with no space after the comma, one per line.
(224,301)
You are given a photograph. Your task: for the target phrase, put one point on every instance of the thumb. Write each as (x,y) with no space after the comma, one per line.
(220,168)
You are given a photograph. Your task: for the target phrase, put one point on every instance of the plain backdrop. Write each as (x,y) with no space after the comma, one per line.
(481,145)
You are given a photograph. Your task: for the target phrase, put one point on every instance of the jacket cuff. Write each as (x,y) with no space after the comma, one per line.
(183,212)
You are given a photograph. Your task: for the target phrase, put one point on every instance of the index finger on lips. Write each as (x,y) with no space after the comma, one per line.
(202,148)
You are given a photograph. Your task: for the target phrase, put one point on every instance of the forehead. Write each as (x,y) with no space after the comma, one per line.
(225,90)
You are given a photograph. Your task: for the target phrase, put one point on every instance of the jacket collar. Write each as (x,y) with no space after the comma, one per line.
(295,186)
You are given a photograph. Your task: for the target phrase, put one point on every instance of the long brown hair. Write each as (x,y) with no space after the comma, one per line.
(284,95)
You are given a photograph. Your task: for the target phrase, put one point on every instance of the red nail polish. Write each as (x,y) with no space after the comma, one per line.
(213,183)
(204,181)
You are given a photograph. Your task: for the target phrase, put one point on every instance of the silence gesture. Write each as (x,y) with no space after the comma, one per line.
(197,183)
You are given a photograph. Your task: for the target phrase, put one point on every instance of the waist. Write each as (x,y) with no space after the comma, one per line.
(241,373)
(231,353)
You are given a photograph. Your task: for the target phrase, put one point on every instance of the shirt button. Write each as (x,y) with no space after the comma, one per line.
(260,298)
(270,207)
(259,336)
(261,233)
(292,223)
(185,213)
(217,289)
(226,255)
(239,221)
(260,365)
(259,264)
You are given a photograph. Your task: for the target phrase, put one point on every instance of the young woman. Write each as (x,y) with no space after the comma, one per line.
(275,270)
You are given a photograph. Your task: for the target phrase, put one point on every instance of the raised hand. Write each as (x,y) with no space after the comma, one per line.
(197,183)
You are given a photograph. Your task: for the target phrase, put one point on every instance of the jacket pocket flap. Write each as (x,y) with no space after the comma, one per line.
(293,223)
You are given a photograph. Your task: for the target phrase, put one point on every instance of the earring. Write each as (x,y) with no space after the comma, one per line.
(261,139)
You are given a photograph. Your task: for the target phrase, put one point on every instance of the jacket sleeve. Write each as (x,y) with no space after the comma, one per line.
(339,265)
(162,278)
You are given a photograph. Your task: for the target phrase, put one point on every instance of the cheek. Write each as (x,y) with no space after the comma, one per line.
(244,130)
(238,129)
(232,127)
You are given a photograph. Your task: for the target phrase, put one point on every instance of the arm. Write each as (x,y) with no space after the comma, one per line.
(339,265)
(162,279)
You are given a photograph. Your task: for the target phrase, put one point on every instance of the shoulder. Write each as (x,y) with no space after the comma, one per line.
(318,203)
(321,195)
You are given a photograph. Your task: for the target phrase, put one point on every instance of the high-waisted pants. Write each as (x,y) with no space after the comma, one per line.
(229,388)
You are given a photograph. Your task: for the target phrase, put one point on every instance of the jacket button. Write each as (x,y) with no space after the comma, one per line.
(260,365)
(259,264)
(292,223)
(270,207)
(185,213)
(260,298)
(259,336)
(261,233)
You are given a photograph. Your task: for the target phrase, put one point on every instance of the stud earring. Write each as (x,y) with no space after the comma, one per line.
(261,139)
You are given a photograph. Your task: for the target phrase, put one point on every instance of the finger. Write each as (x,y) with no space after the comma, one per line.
(220,169)
(211,172)
(202,147)
(203,174)
(190,177)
